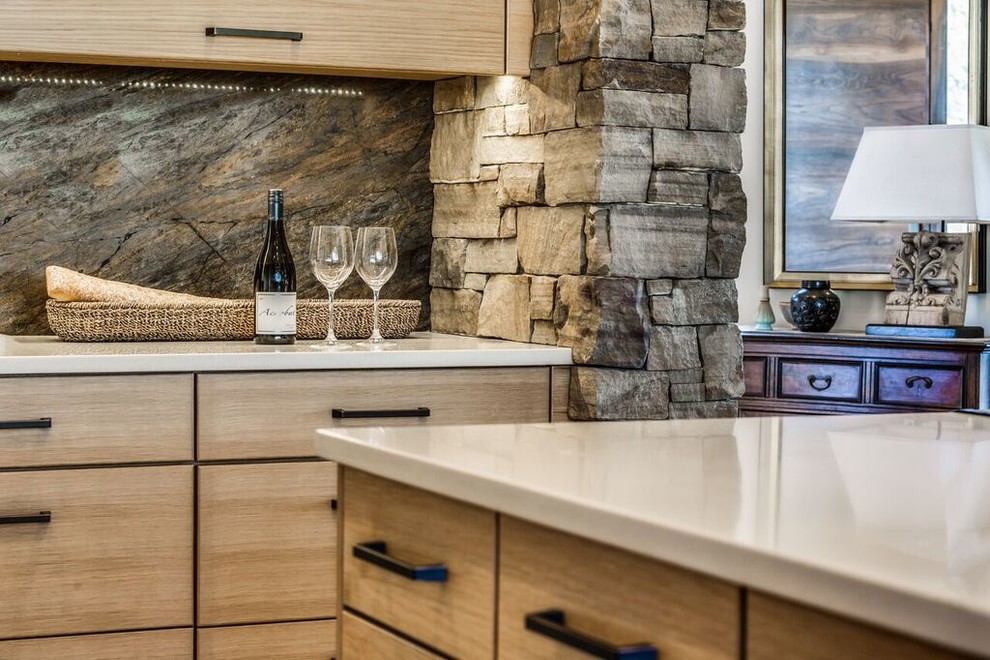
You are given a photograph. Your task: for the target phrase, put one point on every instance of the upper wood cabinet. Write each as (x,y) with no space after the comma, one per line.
(392,38)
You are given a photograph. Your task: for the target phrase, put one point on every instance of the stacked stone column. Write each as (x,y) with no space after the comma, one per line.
(597,205)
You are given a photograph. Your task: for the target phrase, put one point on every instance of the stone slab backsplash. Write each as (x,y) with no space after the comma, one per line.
(597,205)
(160,177)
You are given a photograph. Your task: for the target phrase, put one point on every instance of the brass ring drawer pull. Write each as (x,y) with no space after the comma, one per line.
(553,624)
(816,381)
(924,380)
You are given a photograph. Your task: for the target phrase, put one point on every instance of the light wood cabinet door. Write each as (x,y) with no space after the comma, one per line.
(267,542)
(607,594)
(147,645)
(366,640)
(780,629)
(300,640)
(455,616)
(116,554)
(275,415)
(423,38)
(95,419)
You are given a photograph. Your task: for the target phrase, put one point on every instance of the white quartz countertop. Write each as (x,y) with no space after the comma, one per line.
(882,518)
(49,355)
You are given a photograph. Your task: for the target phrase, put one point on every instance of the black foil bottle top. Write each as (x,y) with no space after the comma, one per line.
(275,204)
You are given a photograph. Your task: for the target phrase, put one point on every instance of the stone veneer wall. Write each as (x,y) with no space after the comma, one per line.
(597,205)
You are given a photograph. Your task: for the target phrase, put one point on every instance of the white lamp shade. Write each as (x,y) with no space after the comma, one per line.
(918,174)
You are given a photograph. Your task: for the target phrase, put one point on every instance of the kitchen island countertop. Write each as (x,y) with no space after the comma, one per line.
(880,518)
(422,350)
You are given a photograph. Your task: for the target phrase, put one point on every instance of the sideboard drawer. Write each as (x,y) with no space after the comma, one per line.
(274,415)
(298,640)
(920,386)
(610,595)
(366,640)
(454,616)
(802,379)
(115,555)
(95,419)
(267,542)
(148,645)
(755,376)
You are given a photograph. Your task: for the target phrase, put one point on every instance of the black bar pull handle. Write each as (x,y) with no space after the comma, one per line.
(44,517)
(344,413)
(255,34)
(43,423)
(553,624)
(376,552)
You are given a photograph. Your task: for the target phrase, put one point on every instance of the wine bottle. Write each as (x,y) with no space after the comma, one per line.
(275,282)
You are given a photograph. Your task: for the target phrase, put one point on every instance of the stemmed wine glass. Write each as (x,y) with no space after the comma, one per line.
(331,253)
(377,258)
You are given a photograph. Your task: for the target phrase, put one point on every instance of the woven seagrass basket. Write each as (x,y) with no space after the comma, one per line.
(221,320)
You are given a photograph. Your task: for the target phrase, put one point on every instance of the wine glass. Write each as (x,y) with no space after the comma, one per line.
(377,258)
(331,253)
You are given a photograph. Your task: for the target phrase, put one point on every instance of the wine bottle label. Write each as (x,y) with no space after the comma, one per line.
(274,313)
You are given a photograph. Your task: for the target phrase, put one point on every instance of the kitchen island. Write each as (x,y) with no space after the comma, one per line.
(857,536)
(164,500)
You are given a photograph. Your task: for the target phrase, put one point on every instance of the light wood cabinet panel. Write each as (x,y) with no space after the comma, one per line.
(97,419)
(425,38)
(560,393)
(456,617)
(366,640)
(147,645)
(302,640)
(267,542)
(779,629)
(608,594)
(273,415)
(116,555)
(518,36)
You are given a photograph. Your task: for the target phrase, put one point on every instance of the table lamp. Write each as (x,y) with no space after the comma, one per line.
(922,174)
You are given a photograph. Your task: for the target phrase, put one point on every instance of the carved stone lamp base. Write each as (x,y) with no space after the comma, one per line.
(930,331)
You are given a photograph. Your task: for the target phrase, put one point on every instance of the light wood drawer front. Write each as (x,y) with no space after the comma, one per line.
(303,640)
(267,542)
(148,645)
(275,415)
(387,35)
(920,386)
(97,419)
(455,617)
(778,629)
(116,555)
(366,640)
(608,594)
(801,379)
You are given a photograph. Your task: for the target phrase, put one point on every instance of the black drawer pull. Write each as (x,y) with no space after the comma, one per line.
(43,423)
(815,383)
(924,380)
(553,624)
(376,552)
(343,413)
(44,517)
(256,34)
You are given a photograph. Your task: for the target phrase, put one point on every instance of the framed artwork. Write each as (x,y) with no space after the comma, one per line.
(832,68)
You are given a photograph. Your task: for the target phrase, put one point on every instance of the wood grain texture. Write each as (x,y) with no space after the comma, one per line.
(146,645)
(456,617)
(609,594)
(267,542)
(301,640)
(115,556)
(560,394)
(274,415)
(820,380)
(439,36)
(366,640)
(518,36)
(780,629)
(755,375)
(98,419)
(848,64)
(920,385)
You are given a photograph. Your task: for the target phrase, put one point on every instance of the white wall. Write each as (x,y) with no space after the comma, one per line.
(858,307)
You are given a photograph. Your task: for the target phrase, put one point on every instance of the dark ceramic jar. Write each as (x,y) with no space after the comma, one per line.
(815,307)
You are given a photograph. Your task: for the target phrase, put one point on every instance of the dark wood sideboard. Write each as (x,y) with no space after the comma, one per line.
(796,373)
